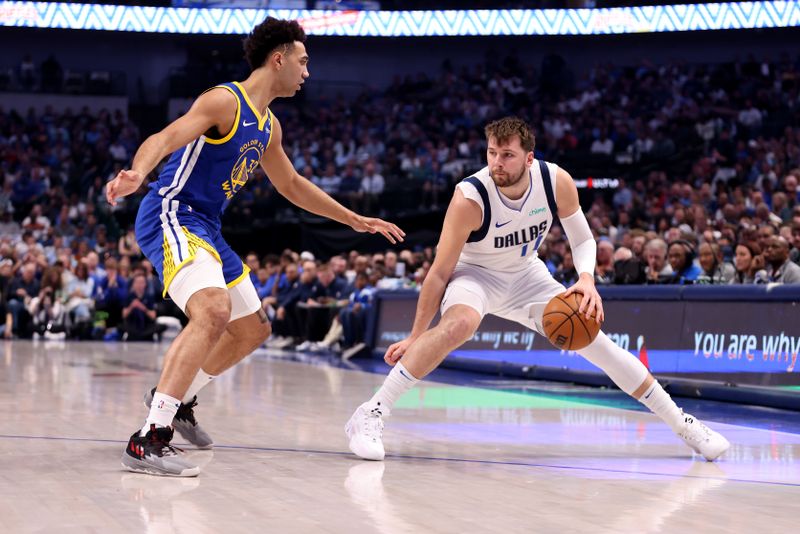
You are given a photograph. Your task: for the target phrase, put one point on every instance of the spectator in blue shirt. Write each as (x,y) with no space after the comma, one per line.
(680,256)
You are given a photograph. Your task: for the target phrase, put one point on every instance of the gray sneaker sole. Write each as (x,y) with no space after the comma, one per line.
(137,466)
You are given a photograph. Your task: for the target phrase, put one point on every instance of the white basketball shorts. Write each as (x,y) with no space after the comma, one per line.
(204,272)
(519,297)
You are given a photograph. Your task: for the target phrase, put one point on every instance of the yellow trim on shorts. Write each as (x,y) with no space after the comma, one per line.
(195,242)
(235,122)
(235,281)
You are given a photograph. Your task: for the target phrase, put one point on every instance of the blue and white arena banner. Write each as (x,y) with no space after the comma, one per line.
(739,340)
(641,19)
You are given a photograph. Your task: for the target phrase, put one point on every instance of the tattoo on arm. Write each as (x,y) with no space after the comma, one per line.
(263,315)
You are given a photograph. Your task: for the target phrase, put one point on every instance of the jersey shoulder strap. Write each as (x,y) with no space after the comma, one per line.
(548,190)
(480,233)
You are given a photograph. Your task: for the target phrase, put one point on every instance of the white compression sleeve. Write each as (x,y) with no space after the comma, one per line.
(581,240)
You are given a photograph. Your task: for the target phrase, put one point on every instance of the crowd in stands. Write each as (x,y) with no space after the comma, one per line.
(708,155)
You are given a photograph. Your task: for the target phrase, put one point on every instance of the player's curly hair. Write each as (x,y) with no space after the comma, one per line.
(268,36)
(506,128)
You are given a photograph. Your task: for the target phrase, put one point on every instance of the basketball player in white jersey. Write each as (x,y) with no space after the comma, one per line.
(486,262)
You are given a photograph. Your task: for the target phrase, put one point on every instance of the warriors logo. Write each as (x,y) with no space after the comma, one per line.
(244,167)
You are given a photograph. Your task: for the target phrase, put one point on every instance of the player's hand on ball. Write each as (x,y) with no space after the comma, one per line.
(125,183)
(396,351)
(378,226)
(591,301)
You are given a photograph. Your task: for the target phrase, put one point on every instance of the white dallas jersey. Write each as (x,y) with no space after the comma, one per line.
(508,238)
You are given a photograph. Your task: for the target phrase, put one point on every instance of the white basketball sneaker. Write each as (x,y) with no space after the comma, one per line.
(365,430)
(702,439)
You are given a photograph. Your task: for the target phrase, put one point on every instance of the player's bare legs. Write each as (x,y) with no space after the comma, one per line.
(365,427)
(149,450)
(457,326)
(240,338)
(209,311)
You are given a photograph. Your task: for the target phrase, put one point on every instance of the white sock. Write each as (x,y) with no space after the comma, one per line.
(162,411)
(201,380)
(398,382)
(661,404)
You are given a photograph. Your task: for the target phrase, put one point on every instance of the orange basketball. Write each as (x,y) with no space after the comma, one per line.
(565,327)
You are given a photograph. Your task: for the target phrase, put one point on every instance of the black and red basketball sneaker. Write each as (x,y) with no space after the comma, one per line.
(153,454)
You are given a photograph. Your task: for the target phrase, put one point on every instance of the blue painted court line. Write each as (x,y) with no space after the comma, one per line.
(430,459)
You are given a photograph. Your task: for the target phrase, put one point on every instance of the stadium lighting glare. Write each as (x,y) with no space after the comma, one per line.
(638,19)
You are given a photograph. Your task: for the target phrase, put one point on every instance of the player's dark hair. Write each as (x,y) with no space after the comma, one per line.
(268,36)
(503,130)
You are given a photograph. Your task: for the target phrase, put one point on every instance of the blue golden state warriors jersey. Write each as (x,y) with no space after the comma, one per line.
(205,174)
(182,211)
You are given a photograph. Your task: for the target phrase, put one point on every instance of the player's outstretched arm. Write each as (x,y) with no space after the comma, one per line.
(302,192)
(463,216)
(581,240)
(216,107)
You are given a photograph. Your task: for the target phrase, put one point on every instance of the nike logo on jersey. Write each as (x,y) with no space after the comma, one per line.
(245,123)
(500,225)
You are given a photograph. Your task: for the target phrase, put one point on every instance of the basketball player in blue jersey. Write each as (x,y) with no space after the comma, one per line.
(486,262)
(214,149)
